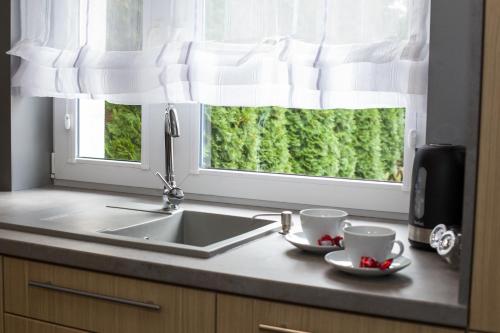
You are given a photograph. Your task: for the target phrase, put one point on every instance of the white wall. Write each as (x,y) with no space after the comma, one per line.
(31,129)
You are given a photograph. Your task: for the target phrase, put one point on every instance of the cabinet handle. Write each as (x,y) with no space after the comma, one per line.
(112,299)
(278,329)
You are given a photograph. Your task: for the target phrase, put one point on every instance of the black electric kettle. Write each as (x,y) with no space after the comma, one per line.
(436,192)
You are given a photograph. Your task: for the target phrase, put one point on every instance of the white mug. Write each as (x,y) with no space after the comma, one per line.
(317,223)
(370,241)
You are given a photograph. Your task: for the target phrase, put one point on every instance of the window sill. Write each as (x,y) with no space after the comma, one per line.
(215,199)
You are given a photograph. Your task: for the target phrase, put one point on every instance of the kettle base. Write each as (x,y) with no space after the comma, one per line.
(420,246)
(419,237)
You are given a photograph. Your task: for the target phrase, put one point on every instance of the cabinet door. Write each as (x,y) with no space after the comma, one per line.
(246,315)
(485,294)
(104,303)
(15,324)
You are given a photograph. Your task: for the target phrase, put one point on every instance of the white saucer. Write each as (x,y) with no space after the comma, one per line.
(340,261)
(300,241)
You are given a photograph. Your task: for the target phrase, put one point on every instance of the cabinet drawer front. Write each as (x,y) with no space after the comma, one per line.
(104,303)
(15,324)
(246,315)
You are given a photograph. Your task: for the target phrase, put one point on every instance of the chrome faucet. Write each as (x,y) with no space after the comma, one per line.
(172,195)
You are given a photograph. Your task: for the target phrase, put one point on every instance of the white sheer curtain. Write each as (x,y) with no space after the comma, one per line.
(293,53)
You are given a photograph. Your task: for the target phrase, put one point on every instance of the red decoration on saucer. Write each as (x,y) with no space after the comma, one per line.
(328,240)
(369,262)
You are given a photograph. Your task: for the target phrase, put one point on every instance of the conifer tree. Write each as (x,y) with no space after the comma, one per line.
(273,152)
(344,128)
(122,134)
(392,122)
(367,144)
(233,138)
(312,143)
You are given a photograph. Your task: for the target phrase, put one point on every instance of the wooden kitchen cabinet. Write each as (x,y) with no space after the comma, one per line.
(247,315)
(485,293)
(15,324)
(99,302)
(1,294)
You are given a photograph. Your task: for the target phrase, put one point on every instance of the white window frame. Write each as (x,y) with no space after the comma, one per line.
(69,166)
(293,189)
(250,187)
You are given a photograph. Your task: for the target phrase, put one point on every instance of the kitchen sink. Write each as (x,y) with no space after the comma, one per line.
(191,233)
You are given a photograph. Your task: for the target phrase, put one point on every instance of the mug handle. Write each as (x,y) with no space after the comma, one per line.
(345,224)
(401,248)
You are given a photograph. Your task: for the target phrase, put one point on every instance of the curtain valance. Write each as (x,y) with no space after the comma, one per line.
(292,53)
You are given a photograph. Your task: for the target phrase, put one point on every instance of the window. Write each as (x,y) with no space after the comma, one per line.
(245,155)
(107,143)
(109,131)
(356,158)
(365,144)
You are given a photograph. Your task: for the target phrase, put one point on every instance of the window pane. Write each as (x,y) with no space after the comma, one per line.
(109,131)
(356,144)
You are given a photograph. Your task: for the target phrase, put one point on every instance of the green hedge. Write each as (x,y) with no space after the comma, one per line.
(313,145)
(367,144)
(234,138)
(392,140)
(344,129)
(361,144)
(122,132)
(273,155)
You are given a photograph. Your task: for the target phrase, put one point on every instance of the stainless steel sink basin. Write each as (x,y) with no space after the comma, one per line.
(192,233)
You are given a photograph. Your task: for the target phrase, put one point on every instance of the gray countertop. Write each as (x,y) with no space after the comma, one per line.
(269,267)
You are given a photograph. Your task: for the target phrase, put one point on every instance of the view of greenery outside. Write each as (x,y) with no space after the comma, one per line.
(122,132)
(356,144)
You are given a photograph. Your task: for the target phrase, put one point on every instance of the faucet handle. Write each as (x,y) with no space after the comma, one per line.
(286,220)
(172,194)
(167,185)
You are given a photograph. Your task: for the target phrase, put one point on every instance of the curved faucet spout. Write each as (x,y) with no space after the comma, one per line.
(172,122)
(172,195)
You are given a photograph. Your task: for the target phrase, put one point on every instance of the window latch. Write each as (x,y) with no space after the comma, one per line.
(412,139)
(67,121)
